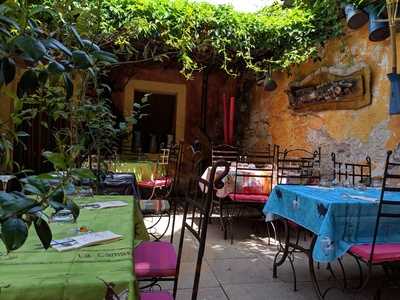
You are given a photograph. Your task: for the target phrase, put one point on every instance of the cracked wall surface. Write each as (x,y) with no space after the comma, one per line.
(352,134)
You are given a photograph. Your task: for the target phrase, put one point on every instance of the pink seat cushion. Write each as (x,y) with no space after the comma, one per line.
(159,183)
(251,198)
(156,296)
(382,252)
(155,259)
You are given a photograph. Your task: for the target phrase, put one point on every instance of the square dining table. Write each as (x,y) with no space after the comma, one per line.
(32,273)
(340,217)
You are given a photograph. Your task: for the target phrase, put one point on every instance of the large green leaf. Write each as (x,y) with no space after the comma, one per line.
(57,205)
(5,32)
(8,21)
(28,83)
(40,184)
(77,36)
(8,68)
(57,159)
(55,44)
(13,203)
(31,189)
(43,231)
(90,46)
(42,9)
(83,173)
(105,56)
(14,233)
(81,59)
(31,47)
(69,86)
(56,68)
(57,196)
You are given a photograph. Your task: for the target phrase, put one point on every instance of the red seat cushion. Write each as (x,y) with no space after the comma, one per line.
(155,259)
(159,183)
(156,296)
(382,252)
(251,198)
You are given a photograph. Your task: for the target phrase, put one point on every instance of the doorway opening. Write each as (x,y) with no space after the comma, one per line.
(159,125)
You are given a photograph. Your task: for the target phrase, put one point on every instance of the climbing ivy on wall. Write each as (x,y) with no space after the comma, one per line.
(198,35)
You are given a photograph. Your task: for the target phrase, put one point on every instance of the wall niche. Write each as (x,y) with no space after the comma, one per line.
(332,88)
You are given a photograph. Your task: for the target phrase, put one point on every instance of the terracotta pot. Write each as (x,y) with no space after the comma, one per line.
(355,17)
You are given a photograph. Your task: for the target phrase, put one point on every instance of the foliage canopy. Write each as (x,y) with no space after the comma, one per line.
(198,35)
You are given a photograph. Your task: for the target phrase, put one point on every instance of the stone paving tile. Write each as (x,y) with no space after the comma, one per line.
(204,294)
(240,270)
(267,291)
(186,277)
(243,270)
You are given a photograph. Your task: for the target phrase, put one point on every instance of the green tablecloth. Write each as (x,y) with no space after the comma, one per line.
(143,170)
(33,273)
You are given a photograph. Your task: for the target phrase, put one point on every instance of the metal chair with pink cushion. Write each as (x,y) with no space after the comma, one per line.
(157,261)
(378,252)
(159,203)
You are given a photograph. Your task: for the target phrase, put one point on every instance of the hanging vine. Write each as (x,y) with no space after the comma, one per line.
(196,35)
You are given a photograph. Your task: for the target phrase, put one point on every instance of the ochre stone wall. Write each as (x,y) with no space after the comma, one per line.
(353,134)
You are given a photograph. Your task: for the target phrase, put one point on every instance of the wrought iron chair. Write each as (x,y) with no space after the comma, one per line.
(230,154)
(378,253)
(298,166)
(159,204)
(295,166)
(225,152)
(352,171)
(253,180)
(158,261)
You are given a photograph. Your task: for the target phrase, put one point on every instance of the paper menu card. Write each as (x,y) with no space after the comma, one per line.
(84,240)
(106,204)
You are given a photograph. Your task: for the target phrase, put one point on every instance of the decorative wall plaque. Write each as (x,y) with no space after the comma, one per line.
(332,88)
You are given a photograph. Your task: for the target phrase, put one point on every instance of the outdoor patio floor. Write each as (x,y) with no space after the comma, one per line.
(243,270)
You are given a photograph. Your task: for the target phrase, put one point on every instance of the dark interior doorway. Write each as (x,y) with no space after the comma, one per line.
(159,123)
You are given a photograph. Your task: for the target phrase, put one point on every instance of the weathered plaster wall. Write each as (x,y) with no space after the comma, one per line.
(351,133)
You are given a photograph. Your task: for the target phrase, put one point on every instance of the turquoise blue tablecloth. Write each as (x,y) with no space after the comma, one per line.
(338,219)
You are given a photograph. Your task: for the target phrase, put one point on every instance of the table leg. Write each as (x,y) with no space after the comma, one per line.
(282,249)
(321,294)
(312,270)
(287,252)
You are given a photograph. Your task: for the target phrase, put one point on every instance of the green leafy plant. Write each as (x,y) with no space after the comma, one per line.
(18,210)
(60,73)
(199,35)
(50,60)
(138,111)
